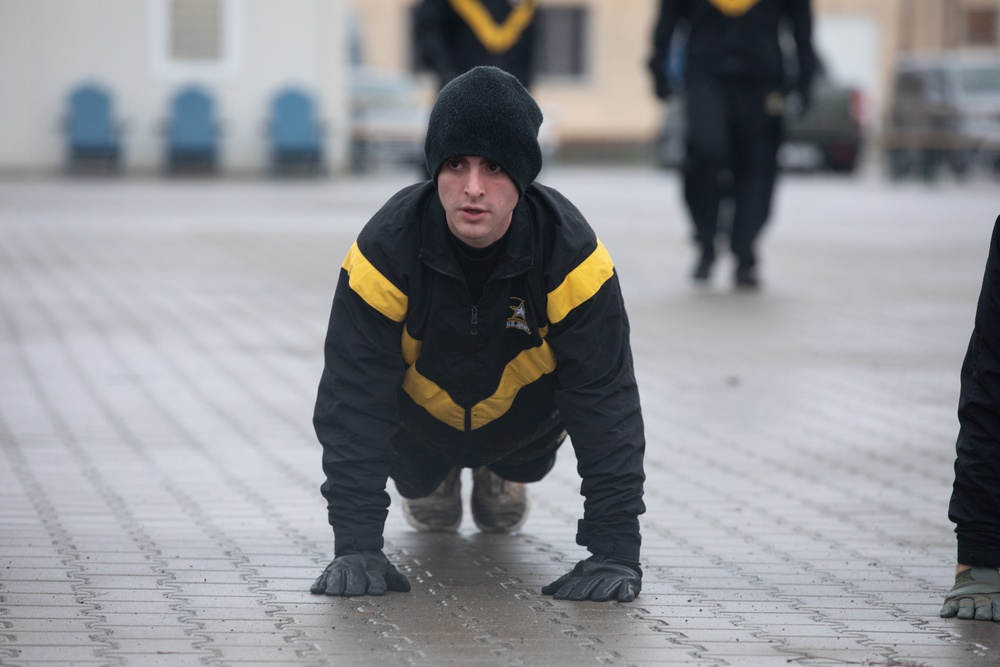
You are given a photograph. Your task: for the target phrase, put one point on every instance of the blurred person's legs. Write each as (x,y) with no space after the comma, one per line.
(757,131)
(706,161)
(975,499)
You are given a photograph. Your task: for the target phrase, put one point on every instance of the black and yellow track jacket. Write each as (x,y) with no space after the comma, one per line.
(408,348)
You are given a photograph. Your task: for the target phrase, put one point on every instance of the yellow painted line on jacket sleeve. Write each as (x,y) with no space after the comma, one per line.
(521,371)
(373,287)
(581,284)
(496,38)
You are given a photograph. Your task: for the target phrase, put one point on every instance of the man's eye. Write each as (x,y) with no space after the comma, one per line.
(494,168)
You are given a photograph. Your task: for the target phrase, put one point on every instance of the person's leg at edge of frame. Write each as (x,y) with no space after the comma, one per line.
(976,591)
(975,500)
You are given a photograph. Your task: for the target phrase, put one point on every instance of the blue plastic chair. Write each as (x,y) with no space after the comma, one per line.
(91,131)
(192,131)
(295,133)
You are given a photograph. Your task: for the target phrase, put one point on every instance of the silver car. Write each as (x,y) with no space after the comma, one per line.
(945,112)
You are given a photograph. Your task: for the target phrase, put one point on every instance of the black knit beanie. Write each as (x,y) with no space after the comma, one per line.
(486,112)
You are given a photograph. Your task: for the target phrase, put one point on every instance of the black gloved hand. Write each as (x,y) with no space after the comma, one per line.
(661,82)
(366,572)
(662,87)
(598,578)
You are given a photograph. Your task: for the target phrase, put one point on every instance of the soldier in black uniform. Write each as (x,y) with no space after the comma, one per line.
(736,87)
(457,35)
(478,319)
(975,499)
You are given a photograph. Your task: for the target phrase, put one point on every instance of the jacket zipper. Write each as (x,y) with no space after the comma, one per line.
(473,322)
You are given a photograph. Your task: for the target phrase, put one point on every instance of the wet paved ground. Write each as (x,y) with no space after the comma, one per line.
(160,344)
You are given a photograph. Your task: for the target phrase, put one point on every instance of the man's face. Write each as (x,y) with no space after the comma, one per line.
(478,198)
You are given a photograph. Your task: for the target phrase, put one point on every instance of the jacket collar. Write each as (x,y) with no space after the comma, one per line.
(436,251)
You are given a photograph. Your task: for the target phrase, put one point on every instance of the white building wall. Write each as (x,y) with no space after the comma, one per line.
(47,47)
(850,45)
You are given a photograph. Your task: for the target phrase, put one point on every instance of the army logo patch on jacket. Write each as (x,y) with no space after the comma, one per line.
(518,320)
(734,7)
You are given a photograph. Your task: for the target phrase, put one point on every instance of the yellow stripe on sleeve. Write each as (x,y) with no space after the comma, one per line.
(582,283)
(368,283)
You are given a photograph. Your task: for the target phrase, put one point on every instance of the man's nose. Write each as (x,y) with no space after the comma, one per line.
(474,184)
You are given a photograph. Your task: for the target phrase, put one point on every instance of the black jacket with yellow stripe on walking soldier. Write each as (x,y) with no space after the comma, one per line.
(409,348)
(456,35)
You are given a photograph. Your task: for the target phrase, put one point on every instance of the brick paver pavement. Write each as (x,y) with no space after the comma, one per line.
(160,345)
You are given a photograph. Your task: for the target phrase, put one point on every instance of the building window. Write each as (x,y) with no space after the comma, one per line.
(195,39)
(981,27)
(196,29)
(561,48)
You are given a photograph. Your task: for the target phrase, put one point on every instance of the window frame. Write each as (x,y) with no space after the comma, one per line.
(583,44)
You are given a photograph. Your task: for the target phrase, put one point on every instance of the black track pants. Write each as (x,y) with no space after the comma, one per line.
(732,147)
(417,470)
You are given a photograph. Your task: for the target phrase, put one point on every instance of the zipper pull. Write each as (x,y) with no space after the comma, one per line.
(475,320)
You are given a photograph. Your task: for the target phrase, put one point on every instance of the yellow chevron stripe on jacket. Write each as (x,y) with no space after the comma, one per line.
(581,283)
(525,368)
(495,38)
(369,283)
(411,348)
(734,7)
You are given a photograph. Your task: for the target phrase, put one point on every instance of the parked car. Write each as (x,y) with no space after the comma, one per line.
(388,120)
(832,128)
(945,111)
(830,135)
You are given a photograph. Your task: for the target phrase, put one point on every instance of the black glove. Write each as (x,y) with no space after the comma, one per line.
(662,86)
(661,82)
(360,573)
(598,578)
